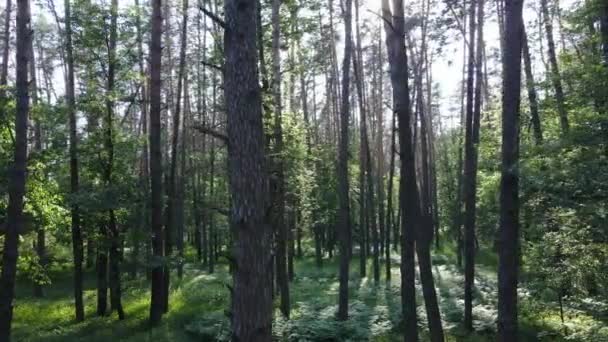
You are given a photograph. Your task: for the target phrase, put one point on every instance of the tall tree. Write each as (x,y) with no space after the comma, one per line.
(508,249)
(555,76)
(279,187)
(344,205)
(40,244)
(156,301)
(531,87)
(394,27)
(114,234)
(16,185)
(77,247)
(248,178)
(470,169)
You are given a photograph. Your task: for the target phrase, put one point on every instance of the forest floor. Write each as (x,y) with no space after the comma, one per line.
(199,302)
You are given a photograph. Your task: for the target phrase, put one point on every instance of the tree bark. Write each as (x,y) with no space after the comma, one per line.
(556,79)
(394,26)
(248,178)
(470,172)
(344,229)
(279,188)
(114,234)
(77,247)
(16,185)
(156,301)
(508,251)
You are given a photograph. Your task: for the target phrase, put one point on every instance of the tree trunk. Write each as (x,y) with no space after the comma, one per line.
(248,180)
(40,245)
(156,301)
(556,79)
(113,233)
(279,188)
(343,200)
(508,251)
(531,87)
(16,185)
(394,26)
(389,208)
(77,247)
(470,169)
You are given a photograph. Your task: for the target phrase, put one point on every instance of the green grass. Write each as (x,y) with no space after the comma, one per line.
(199,302)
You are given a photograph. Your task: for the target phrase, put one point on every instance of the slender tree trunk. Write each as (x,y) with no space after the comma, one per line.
(344,208)
(77,247)
(156,301)
(40,245)
(470,174)
(394,26)
(556,79)
(114,234)
(531,87)
(389,218)
(508,251)
(279,191)
(5,55)
(248,180)
(16,185)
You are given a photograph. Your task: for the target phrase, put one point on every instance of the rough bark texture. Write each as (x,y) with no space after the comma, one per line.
(156,309)
(394,25)
(344,207)
(17,176)
(508,251)
(77,247)
(248,178)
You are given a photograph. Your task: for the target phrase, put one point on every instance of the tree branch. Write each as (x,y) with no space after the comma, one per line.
(213,66)
(213,17)
(211,132)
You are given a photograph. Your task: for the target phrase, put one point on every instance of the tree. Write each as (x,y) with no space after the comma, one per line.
(248,178)
(555,76)
(473,115)
(343,198)
(394,26)
(156,301)
(508,251)
(16,187)
(531,87)
(114,234)
(279,186)
(77,248)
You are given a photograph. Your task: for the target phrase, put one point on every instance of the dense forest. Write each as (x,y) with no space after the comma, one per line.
(304,170)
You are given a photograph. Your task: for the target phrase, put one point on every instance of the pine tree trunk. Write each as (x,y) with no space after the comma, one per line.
(112,231)
(40,245)
(279,188)
(531,87)
(248,180)
(16,185)
(344,229)
(156,301)
(394,26)
(77,246)
(470,175)
(508,251)
(556,79)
